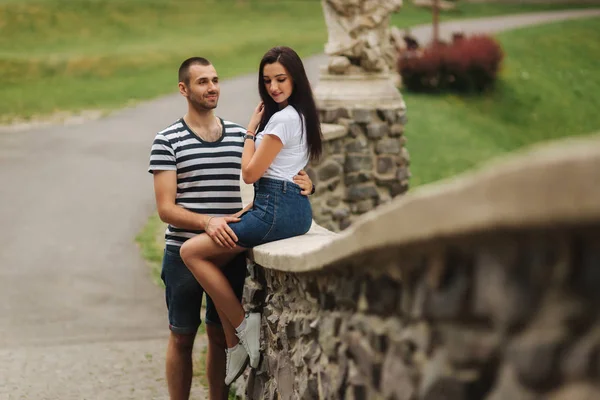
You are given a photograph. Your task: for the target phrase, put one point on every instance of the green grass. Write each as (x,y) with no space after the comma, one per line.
(103,54)
(152,243)
(549,88)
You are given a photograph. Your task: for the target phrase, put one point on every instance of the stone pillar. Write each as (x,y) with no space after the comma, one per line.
(365,162)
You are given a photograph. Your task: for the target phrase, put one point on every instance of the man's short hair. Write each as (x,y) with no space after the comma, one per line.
(184,70)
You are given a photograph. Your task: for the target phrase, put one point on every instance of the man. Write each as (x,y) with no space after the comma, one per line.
(196,164)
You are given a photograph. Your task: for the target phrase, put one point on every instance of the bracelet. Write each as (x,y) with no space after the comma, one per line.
(249,136)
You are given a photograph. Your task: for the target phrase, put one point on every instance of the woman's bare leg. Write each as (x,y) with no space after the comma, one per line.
(196,253)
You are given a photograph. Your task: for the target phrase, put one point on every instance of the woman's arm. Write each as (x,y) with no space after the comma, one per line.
(255,163)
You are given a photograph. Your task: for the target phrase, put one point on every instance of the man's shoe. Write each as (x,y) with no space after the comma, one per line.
(250,338)
(237,360)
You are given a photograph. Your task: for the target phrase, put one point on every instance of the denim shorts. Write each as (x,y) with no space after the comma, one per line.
(279,212)
(183,293)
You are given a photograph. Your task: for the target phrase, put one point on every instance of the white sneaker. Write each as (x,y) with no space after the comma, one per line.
(237,360)
(250,338)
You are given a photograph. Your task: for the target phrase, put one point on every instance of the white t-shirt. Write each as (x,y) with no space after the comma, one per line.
(287,126)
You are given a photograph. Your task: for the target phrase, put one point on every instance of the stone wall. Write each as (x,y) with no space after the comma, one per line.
(365,166)
(482,287)
(508,315)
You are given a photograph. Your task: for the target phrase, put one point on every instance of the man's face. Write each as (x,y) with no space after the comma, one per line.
(203,89)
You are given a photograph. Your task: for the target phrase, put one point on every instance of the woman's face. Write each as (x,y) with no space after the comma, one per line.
(278,83)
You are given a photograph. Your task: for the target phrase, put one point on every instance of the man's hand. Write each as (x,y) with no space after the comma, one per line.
(220,232)
(303,180)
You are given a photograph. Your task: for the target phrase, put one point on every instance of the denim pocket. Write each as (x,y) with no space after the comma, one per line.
(261,204)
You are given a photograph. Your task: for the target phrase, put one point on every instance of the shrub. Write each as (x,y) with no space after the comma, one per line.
(465,65)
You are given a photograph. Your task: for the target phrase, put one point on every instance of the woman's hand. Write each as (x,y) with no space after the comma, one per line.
(304,181)
(256,117)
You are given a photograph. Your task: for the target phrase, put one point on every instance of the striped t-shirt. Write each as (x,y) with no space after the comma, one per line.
(208,173)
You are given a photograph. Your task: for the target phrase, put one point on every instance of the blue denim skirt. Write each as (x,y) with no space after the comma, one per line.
(279,212)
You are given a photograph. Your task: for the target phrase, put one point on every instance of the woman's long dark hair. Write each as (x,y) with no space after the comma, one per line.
(301,98)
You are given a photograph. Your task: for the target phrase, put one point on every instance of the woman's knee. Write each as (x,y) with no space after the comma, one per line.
(187,251)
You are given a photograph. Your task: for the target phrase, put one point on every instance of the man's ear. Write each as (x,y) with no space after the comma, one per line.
(183,89)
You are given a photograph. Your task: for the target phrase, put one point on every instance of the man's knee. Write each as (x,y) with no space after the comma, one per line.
(216,335)
(183,342)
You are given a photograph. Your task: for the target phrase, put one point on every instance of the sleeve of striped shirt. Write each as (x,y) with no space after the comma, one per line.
(162,156)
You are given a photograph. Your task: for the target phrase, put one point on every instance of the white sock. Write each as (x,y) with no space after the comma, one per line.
(242,326)
(230,349)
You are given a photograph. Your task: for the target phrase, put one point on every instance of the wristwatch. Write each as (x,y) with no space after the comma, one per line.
(313,189)
(249,136)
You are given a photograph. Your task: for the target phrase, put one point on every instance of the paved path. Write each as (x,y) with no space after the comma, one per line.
(79,317)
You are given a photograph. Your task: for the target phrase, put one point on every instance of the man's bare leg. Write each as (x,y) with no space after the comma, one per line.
(215,363)
(179,365)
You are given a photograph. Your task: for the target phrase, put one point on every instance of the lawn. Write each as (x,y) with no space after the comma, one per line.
(103,54)
(549,88)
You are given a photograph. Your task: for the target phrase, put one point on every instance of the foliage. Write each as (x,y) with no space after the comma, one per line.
(548,88)
(465,65)
(75,55)
(151,242)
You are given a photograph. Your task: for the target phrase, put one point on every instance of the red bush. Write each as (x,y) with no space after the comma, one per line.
(465,65)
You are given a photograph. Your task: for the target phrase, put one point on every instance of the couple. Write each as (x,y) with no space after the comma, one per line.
(196,164)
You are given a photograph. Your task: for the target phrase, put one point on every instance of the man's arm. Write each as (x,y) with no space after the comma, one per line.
(165,191)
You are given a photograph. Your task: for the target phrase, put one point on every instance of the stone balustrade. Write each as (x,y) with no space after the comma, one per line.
(486,286)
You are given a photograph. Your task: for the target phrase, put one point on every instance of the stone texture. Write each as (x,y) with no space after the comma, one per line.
(329,170)
(377,130)
(535,356)
(361,192)
(358,163)
(388,146)
(357,136)
(405,324)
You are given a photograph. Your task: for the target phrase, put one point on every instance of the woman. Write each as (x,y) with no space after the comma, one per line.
(290,135)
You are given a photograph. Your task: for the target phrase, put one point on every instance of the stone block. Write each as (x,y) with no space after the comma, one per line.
(357,145)
(359,177)
(402,117)
(345,223)
(388,146)
(284,377)
(362,192)
(389,115)
(397,379)
(358,163)
(402,174)
(340,213)
(449,300)
(404,156)
(329,115)
(382,295)
(361,115)
(397,130)
(364,206)
(328,170)
(333,201)
(502,290)
(535,356)
(582,359)
(469,347)
(377,130)
(385,164)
